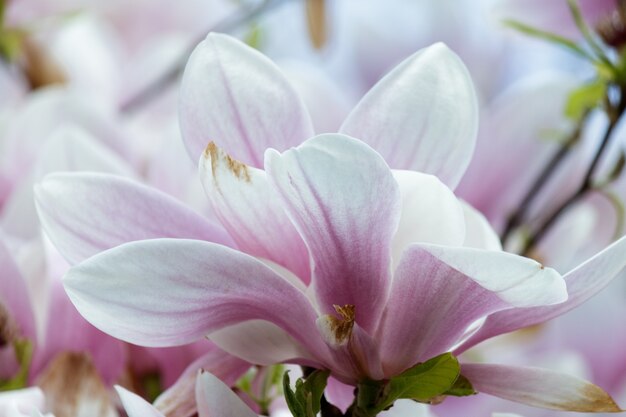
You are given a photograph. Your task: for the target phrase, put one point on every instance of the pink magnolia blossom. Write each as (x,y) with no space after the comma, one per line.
(336,261)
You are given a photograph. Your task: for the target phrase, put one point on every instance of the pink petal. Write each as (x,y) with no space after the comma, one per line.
(439,292)
(179,400)
(215,399)
(479,233)
(265,231)
(539,388)
(422,116)
(345,203)
(14,297)
(261,343)
(86,213)
(168,292)
(135,406)
(430,213)
(583,283)
(235,96)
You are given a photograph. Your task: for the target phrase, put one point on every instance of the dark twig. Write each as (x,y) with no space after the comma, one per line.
(228,24)
(614,112)
(517,218)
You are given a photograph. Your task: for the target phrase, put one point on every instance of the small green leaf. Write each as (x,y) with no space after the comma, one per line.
(296,408)
(305,401)
(585,98)
(10,44)
(3,8)
(424,381)
(586,32)
(23,349)
(315,385)
(548,36)
(461,388)
(253,37)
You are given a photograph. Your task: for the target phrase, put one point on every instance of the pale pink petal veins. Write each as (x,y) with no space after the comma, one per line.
(245,205)
(422,116)
(233,95)
(167,292)
(86,213)
(539,387)
(583,283)
(439,292)
(135,406)
(215,399)
(345,203)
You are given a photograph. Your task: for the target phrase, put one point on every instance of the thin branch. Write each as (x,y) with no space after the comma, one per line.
(542,179)
(169,77)
(615,113)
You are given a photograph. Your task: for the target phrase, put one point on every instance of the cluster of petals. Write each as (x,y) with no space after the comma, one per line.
(323,255)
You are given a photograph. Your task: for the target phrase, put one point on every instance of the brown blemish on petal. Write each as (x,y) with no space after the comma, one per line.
(73,387)
(592,399)
(218,156)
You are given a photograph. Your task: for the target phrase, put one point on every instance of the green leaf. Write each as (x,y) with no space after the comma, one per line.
(461,388)
(548,36)
(585,98)
(253,37)
(23,349)
(296,408)
(10,44)
(315,385)
(424,381)
(305,400)
(586,32)
(3,7)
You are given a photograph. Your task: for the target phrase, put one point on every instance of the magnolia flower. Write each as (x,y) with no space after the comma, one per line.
(332,260)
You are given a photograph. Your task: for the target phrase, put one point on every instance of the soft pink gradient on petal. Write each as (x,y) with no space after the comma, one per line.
(583,283)
(433,301)
(14,295)
(130,293)
(179,400)
(235,96)
(261,343)
(215,399)
(339,394)
(538,387)
(422,116)
(343,199)
(248,209)
(87,213)
(135,406)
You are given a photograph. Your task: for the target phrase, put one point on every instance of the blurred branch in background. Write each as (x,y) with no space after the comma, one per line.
(607,91)
(239,18)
